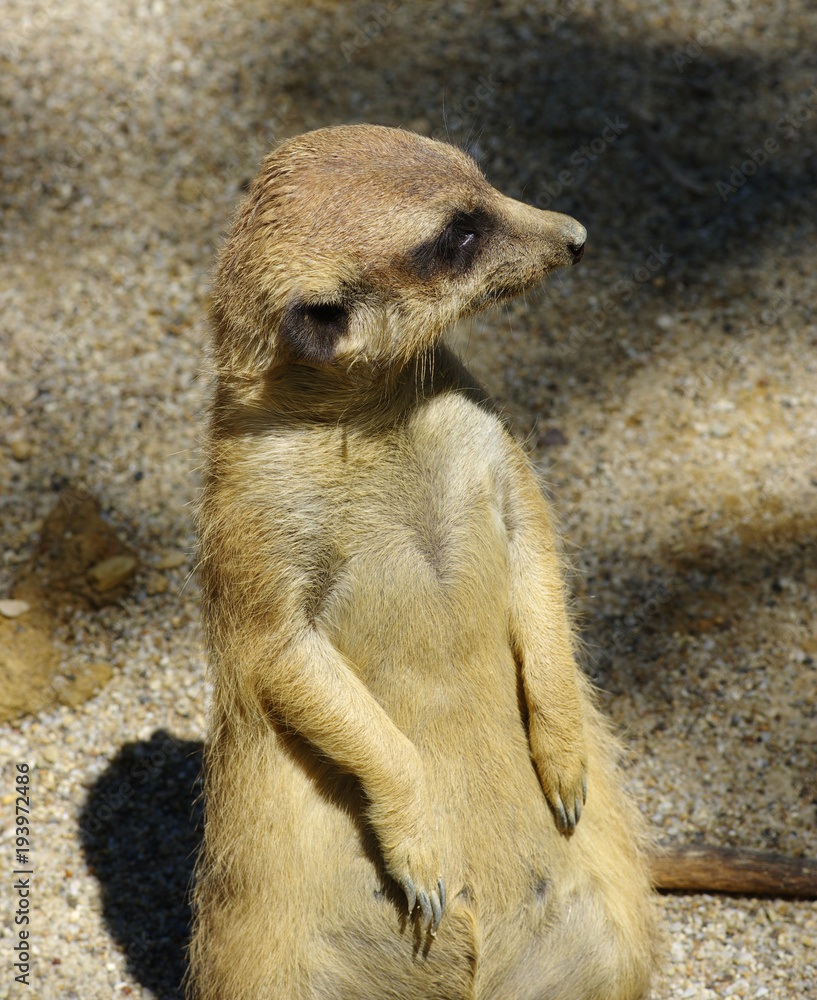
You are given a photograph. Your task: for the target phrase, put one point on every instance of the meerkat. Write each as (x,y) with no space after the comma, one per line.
(410,792)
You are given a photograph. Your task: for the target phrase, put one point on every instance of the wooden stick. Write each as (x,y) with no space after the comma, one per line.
(730,869)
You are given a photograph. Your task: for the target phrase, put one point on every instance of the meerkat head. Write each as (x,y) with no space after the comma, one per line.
(363,244)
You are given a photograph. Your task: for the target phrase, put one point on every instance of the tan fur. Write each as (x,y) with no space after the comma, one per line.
(397,710)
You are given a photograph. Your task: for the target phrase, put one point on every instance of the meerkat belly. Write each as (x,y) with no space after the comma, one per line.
(422,601)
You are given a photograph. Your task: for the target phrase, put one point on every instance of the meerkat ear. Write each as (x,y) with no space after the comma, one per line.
(312,329)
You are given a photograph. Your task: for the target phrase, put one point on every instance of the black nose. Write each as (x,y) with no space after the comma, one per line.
(576,251)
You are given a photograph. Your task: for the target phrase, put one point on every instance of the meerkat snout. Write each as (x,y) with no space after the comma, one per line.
(577,243)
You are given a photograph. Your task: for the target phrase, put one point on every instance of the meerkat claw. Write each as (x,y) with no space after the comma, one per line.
(561,814)
(437,904)
(407,886)
(425,906)
(436,915)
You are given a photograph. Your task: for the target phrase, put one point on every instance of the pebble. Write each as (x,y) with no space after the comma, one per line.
(156,583)
(21,450)
(112,572)
(171,560)
(552,437)
(11,608)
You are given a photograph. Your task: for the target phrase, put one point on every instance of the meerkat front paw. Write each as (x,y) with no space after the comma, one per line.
(560,756)
(406,840)
(413,864)
(431,903)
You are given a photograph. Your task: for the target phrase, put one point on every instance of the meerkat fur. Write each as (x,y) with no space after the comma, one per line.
(409,790)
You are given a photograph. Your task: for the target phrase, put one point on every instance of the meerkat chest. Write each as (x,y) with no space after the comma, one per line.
(428,502)
(398,540)
(420,542)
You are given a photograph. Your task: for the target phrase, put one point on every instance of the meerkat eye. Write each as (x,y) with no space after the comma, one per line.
(458,240)
(454,249)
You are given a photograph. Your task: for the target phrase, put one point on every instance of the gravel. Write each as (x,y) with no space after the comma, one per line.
(665,387)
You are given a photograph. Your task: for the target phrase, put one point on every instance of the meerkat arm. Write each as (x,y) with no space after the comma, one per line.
(316,693)
(542,643)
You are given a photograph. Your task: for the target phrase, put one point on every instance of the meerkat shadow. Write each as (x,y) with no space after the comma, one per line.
(141,828)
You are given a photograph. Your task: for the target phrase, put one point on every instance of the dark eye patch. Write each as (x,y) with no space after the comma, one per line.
(454,250)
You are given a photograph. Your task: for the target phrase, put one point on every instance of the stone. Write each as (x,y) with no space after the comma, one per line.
(112,573)
(156,583)
(29,661)
(80,562)
(11,608)
(172,560)
(84,681)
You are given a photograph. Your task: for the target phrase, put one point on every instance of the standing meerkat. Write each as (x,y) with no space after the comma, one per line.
(401,740)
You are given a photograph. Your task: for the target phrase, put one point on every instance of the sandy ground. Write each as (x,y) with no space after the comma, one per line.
(666,387)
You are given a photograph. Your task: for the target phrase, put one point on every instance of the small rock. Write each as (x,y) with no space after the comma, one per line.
(21,450)
(28,663)
(552,436)
(76,688)
(156,583)
(13,609)
(170,560)
(73,564)
(51,753)
(421,125)
(190,190)
(112,572)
